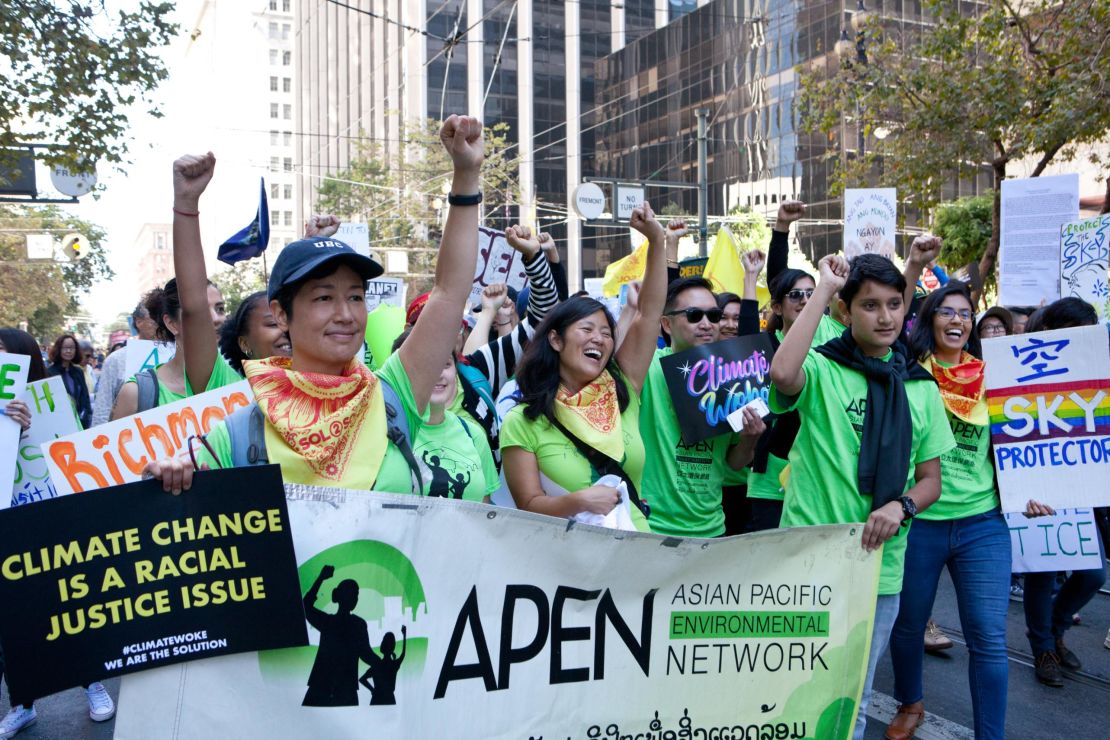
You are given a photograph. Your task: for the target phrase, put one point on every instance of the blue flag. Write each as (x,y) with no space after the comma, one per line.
(252,240)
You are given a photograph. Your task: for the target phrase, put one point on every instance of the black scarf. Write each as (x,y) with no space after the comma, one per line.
(884,457)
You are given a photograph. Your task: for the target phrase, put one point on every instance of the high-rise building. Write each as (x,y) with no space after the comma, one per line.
(154,247)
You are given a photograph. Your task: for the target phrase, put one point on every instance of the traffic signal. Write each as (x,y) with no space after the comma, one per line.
(74,246)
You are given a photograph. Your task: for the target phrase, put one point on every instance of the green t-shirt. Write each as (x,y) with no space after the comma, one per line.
(823,487)
(827,329)
(222,375)
(458,457)
(394,475)
(730,477)
(561,461)
(966,474)
(766,485)
(681,482)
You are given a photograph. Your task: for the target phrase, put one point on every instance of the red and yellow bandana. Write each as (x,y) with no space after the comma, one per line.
(322,429)
(962,388)
(594,415)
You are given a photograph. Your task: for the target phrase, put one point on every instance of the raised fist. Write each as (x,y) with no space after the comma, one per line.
(753,262)
(789,212)
(462,138)
(643,220)
(833,269)
(523,240)
(925,249)
(321,225)
(191,175)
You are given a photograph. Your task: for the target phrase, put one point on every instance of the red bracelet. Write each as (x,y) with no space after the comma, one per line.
(186,213)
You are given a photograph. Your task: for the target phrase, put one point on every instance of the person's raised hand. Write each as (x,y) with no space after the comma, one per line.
(789,212)
(461,136)
(547,244)
(1034,509)
(883,523)
(833,270)
(676,229)
(176,474)
(493,296)
(753,262)
(327,572)
(599,499)
(523,240)
(321,225)
(191,175)
(924,250)
(644,221)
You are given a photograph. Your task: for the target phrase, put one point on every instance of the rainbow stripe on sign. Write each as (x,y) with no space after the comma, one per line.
(1050,410)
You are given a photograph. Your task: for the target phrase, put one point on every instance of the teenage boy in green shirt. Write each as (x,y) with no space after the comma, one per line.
(681,482)
(862,398)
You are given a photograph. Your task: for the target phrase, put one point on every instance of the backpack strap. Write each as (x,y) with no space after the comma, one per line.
(247,431)
(477,386)
(397,431)
(465,427)
(147,380)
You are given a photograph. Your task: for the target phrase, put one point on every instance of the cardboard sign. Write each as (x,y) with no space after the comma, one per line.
(1049,399)
(52,416)
(1034,211)
(1066,541)
(355,236)
(1085,262)
(497,263)
(709,382)
(870,220)
(129,578)
(115,453)
(146,354)
(385,290)
(532,623)
(13,379)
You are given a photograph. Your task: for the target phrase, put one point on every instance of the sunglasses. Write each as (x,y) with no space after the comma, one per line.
(695,315)
(947,314)
(797,295)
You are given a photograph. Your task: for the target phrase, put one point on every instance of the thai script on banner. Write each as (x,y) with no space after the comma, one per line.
(116,453)
(534,624)
(1049,400)
(52,416)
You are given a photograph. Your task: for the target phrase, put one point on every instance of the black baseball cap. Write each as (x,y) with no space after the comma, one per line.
(301,257)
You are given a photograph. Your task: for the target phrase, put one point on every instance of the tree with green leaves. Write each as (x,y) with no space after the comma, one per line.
(982,86)
(238,281)
(965,226)
(72,70)
(43,293)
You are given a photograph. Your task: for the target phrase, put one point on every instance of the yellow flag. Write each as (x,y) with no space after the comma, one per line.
(625,270)
(724,269)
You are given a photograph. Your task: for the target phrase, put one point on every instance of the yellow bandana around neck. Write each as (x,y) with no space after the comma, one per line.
(325,430)
(594,415)
(962,388)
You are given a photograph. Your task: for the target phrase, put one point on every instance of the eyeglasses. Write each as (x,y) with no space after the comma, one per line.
(695,315)
(948,314)
(797,295)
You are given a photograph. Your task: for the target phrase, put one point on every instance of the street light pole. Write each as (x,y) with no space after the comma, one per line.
(703,183)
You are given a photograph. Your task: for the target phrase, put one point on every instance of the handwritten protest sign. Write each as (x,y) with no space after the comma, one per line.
(1034,211)
(355,236)
(709,382)
(385,290)
(52,416)
(1085,262)
(116,453)
(128,578)
(533,624)
(497,263)
(1049,401)
(146,354)
(1066,541)
(870,219)
(13,379)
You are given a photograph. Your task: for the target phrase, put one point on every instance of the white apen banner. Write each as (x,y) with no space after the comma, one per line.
(52,416)
(435,618)
(115,453)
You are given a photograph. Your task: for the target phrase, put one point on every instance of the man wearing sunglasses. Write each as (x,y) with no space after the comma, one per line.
(683,482)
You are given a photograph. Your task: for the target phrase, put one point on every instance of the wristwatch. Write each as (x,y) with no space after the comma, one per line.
(909,508)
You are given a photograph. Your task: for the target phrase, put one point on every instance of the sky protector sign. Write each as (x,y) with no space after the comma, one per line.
(421,611)
(1048,396)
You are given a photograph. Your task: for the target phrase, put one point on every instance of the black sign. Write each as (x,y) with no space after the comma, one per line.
(123,579)
(709,382)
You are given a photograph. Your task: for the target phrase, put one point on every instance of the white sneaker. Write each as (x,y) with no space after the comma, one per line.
(16,720)
(101,706)
(1106,642)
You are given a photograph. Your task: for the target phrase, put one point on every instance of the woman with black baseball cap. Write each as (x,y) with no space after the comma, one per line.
(324,412)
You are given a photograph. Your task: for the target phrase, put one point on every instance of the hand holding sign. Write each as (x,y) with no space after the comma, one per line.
(191,175)
(18,412)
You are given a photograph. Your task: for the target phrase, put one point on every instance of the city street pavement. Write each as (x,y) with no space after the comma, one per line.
(1036,712)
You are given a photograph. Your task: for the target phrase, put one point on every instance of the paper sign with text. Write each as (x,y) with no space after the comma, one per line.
(497,263)
(709,382)
(145,354)
(1049,400)
(1034,212)
(13,379)
(533,624)
(52,416)
(1085,262)
(116,452)
(870,220)
(131,577)
(1066,541)
(355,236)
(385,290)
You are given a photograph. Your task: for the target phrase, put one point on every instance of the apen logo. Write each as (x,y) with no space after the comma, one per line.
(360,598)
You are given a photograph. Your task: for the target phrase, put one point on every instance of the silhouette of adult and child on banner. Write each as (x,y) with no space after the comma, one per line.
(344,641)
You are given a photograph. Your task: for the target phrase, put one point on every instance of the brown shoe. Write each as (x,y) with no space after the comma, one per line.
(1047,669)
(935,640)
(906,722)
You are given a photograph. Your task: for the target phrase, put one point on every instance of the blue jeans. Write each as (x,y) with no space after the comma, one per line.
(1048,619)
(976,550)
(886,611)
